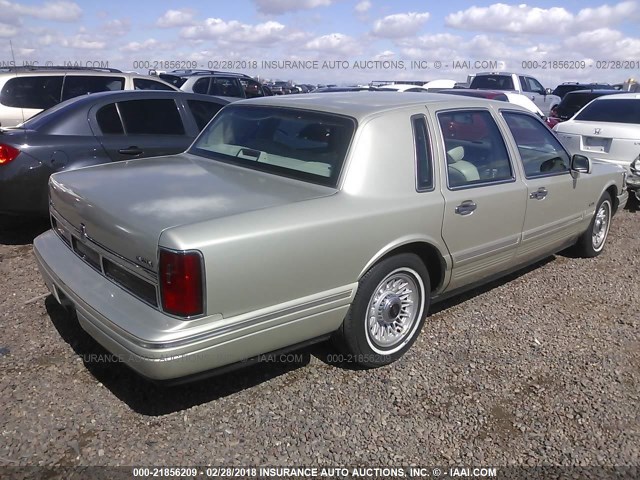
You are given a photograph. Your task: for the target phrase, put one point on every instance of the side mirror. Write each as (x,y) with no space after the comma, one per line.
(548,91)
(580,164)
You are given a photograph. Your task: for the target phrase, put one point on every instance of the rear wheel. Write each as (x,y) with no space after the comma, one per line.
(592,242)
(387,313)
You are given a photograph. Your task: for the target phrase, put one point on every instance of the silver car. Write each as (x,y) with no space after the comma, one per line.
(607,128)
(292,219)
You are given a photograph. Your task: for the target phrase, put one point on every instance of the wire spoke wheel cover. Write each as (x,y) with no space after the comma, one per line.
(394,310)
(601,225)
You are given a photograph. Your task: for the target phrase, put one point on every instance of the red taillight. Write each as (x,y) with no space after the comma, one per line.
(7,153)
(181,283)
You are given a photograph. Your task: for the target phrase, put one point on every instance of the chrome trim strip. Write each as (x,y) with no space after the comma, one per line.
(487,249)
(138,270)
(247,323)
(551,228)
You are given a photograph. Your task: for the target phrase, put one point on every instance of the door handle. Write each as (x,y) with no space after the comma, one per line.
(466,208)
(539,194)
(130,151)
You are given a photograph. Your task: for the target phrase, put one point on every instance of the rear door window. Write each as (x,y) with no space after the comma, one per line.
(226,87)
(203,111)
(109,120)
(475,150)
(76,85)
(151,117)
(201,86)
(39,92)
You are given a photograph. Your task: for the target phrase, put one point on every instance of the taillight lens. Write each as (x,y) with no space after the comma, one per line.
(181,280)
(7,153)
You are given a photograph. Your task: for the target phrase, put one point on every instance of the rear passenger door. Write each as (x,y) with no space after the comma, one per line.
(484,203)
(555,200)
(141,128)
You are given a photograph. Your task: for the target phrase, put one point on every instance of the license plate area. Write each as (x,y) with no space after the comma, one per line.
(596,144)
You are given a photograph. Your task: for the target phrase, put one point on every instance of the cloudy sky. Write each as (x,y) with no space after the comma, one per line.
(360,40)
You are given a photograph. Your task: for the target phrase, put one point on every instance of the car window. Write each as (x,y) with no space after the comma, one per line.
(305,145)
(32,92)
(226,87)
(201,86)
(76,85)
(524,84)
(424,169)
(610,110)
(203,111)
(109,120)
(540,150)
(493,82)
(534,85)
(475,149)
(148,84)
(252,88)
(151,117)
(174,80)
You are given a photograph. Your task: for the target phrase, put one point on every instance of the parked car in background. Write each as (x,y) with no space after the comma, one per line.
(26,91)
(401,87)
(280,88)
(335,89)
(575,100)
(607,129)
(503,96)
(441,84)
(93,129)
(633,180)
(566,87)
(523,84)
(292,219)
(213,82)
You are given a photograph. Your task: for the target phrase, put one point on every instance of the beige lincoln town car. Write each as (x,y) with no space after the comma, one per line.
(294,219)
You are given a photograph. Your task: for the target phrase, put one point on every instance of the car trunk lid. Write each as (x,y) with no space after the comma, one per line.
(124,207)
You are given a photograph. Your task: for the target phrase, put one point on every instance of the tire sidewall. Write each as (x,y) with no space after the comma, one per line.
(357,333)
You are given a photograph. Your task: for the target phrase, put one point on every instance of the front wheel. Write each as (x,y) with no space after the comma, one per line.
(592,242)
(388,311)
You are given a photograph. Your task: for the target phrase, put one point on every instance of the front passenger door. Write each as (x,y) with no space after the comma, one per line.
(484,203)
(555,200)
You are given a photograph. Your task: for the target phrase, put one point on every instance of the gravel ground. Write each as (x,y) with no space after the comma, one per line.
(541,368)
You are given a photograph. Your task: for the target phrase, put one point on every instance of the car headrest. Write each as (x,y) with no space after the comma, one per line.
(455,154)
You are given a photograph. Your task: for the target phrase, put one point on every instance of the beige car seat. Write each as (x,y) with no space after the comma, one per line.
(460,171)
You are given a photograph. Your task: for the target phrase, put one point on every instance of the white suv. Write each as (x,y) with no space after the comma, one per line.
(26,91)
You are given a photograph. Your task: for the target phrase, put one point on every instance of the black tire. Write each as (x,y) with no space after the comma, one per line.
(591,243)
(395,318)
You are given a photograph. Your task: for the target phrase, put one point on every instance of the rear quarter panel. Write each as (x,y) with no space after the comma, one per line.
(272,256)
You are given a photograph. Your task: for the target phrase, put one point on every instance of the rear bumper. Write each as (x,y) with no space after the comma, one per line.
(159,350)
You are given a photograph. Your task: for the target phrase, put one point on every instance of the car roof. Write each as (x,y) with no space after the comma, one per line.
(619,96)
(361,105)
(595,91)
(480,93)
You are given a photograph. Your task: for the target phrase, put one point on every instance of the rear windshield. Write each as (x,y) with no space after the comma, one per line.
(610,110)
(305,145)
(577,100)
(173,79)
(493,82)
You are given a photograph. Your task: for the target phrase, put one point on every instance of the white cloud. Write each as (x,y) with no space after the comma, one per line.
(363,6)
(7,30)
(234,31)
(525,19)
(400,25)
(175,18)
(335,43)
(84,42)
(140,46)
(57,10)
(284,6)
(117,27)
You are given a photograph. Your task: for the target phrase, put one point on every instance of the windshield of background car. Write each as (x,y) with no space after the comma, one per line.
(609,110)
(493,82)
(301,144)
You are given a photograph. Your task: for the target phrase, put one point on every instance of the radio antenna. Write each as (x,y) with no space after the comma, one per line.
(13,56)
